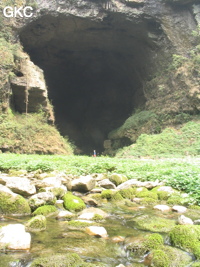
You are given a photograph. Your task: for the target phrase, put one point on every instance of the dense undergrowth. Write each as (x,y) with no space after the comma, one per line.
(170,143)
(30,134)
(179,173)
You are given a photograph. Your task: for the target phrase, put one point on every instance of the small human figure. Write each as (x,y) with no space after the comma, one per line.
(94,154)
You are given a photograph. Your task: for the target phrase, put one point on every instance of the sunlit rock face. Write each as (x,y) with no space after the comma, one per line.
(98,56)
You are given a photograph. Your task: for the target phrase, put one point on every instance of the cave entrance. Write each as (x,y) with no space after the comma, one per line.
(94,71)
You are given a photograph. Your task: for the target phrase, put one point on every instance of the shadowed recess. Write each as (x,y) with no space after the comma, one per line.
(94,70)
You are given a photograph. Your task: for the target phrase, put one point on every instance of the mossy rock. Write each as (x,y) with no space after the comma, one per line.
(196,264)
(194,207)
(128,193)
(78,224)
(58,192)
(107,194)
(36,224)
(13,204)
(116,197)
(118,179)
(96,196)
(177,200)
(58,260)
(73,203)
(147,194)
(148,201)
(177,257)
(141,245)
(160,259)
(163,195)
(187,238)
(97,217)
(154,223)
(45,210)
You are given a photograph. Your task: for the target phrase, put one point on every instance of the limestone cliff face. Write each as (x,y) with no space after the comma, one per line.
(106,59)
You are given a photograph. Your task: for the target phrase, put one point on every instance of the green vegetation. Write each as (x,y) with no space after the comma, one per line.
(13,204)
(184,141)
(160,259)
(73,203)
(78,224)
(36,224)
(181,174)
(59,260)
(154,224)
(187,237)
(45,210)
(18,134)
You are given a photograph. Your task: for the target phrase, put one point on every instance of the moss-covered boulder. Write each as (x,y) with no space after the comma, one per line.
(36,224)
(41,199)
(186,237)
(13,204)
(147,194)
(73,203)
(139,245)
(111,195)
(79,224)
(154,223)
(160,259)
(45,210)
(177,200)
(58,260)
(128,193)
(118,179)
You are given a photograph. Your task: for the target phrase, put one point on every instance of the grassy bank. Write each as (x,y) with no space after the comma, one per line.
(182,173)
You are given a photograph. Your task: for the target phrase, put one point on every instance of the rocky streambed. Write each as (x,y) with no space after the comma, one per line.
(54,219)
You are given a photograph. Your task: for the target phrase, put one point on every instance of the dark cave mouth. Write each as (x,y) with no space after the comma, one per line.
(94,72)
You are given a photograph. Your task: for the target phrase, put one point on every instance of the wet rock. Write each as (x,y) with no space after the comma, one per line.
(183,220)
(154,223)
(14,236)
(96,190)
(91,213)
(167,189)
(65,214)
(49,182)
(58,192)
(117,179)
(106,183)
(36,224)
(96,231)
(11,203)
(82,184)
(20,185)
(180,209)
(162,207)
(89,201)
(73,203)
(41,199)
(134,182)
(118,239)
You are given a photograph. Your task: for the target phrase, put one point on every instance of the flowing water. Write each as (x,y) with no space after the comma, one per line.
(60,238)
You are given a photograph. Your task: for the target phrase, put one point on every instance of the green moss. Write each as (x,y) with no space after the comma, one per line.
(163,195)
(37,223)
(187,237)
(117,179)
(160,259)
(154,224)
(147,194)
(128,193)
(196,264)
(116,197)
(194,207)
(45,210)
(73,203)
(97,217)
(78,224)
(147,201)
(178,200)
(107,194)
(154,241)
(96,196)
(58,260)
(13,204)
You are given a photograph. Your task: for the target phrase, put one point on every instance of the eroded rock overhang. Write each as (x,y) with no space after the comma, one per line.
(96,58)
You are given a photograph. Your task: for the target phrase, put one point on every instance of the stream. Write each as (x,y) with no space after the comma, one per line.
(60,238)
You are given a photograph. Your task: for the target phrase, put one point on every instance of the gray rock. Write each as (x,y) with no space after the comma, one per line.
(20,185)
(106,183)
(89,213)
(40,199)
(82,184)
(180,209)
(14,237)
(183,220)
